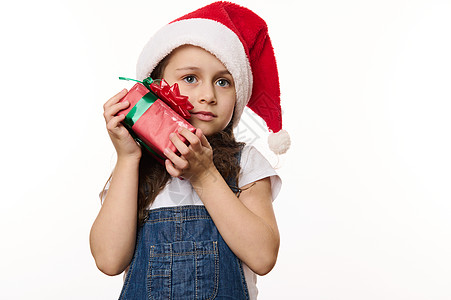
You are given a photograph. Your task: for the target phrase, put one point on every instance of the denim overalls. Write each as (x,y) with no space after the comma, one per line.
(180,254)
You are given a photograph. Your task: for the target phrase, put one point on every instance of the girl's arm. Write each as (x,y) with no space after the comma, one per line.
(247,224)
(113,234)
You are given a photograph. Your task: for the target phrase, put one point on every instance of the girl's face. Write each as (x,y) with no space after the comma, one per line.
(207,83)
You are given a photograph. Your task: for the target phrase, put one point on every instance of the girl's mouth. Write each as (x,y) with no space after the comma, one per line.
(203,115)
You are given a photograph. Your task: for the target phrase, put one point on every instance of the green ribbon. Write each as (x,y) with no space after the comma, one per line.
(146,82)
(143,104)
(139,109)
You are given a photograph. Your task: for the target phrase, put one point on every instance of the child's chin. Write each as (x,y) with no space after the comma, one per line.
(208,128)
(207,131)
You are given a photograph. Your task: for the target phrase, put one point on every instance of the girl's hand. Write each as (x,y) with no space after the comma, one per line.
(196,159)
(123,142)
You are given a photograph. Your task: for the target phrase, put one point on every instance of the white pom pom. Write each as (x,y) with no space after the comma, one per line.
(279,142)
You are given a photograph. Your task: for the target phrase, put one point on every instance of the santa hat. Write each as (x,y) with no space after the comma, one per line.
(239,39)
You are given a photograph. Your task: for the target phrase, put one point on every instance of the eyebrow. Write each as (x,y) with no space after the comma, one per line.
(187,68)
(192,68)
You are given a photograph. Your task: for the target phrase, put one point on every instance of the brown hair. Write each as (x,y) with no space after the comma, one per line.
(153,176)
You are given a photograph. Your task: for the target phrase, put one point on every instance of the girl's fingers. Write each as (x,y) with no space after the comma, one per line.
(115,98)
(112,110)
(194,141)
(171,169)
(203,139)
(116,129)
(114,124)
(179,145)
(180,163)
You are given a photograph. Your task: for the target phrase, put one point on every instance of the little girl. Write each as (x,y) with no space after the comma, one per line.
(201,226)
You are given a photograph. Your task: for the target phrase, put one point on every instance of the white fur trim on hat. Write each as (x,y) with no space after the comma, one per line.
(210,35)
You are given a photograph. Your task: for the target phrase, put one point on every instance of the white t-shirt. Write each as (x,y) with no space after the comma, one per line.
(254,166)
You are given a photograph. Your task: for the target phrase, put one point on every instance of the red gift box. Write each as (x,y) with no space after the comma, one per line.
(150,119)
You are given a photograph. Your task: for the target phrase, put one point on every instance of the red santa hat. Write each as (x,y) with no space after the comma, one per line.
(239,39)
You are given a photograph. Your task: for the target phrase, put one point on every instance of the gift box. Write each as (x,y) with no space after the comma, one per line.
(156,110)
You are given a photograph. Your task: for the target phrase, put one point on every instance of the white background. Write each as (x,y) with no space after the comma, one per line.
(365,210)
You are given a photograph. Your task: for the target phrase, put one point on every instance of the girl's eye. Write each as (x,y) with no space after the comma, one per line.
(223,82)
(189,79)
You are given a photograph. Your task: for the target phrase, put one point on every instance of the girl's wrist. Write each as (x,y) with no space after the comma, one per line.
(129,158)
(208,176)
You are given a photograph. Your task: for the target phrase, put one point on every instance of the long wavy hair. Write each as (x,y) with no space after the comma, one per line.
(153,176)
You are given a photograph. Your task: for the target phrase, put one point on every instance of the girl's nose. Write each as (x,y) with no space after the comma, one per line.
(207,94)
